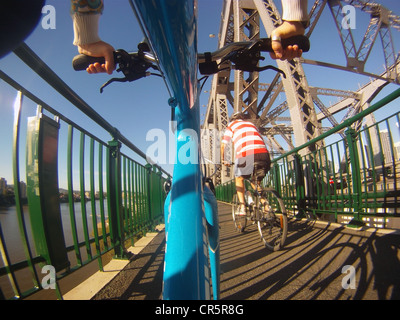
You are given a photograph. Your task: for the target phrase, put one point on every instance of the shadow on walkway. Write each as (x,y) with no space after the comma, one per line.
(141,279)
(308,267)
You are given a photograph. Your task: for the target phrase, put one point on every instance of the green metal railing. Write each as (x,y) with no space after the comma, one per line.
(110,199)
(355,180)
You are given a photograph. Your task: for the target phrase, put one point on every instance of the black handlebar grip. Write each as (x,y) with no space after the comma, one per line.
(82,61)
(301,41)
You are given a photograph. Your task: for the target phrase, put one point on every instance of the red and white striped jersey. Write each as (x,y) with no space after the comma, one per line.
(246,138)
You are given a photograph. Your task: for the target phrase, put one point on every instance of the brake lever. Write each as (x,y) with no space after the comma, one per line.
(247,57)
(245,60)
(115,80)
(133,65)
(259,69)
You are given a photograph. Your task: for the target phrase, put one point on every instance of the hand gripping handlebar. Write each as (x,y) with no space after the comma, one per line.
(246,55)
(133,65)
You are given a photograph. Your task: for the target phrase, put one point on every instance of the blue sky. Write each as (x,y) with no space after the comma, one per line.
(135,108)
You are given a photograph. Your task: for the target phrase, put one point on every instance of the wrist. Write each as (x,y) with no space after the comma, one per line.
(298,25)
(288,29)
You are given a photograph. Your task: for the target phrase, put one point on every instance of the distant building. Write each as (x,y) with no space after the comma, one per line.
(22,187)
(397,150)
(3,186)
(386,147)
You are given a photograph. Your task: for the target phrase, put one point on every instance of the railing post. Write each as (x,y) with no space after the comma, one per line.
(355,198)
(150,195)
(277,179)
(159,193)
(114,194)
(299,183)
(231,190)
(155,197)
(42,190)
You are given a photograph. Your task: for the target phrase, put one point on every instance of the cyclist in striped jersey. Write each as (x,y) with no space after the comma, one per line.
(249,149)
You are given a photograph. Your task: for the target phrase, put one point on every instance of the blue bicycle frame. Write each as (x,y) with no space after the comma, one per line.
(191,219)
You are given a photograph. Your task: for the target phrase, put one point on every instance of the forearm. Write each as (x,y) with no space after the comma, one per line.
(86,29)
(86,21)
(294,10)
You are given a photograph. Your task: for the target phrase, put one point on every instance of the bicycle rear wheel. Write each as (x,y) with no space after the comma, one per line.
(240,221)
(272,222)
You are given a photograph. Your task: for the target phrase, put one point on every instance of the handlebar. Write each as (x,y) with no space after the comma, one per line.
(245,56)
(81,61)
(133,65)
(264,45)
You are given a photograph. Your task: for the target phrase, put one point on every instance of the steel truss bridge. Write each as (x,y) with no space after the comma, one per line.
(237,91)
(338,182)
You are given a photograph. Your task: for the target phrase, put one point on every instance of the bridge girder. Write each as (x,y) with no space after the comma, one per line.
(243,21)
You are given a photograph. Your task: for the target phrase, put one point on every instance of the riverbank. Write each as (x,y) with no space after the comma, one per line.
(9,200)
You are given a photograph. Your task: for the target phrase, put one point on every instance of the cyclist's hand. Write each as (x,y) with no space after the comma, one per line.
(99,49)
(226,163)
(285,30)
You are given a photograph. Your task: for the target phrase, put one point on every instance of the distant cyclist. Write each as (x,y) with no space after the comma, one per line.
(250,153)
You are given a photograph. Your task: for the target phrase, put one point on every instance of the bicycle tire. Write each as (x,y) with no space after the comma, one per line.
(272,224)
(240,222)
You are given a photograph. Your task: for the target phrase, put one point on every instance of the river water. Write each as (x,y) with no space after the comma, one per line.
(12,235)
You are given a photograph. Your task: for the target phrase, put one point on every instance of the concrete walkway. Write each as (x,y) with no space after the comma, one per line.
(309,267)
(115,268)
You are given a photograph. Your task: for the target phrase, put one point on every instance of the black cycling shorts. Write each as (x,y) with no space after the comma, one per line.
(256,164)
